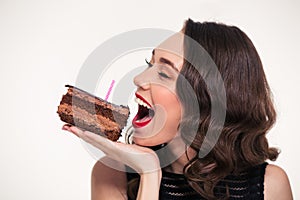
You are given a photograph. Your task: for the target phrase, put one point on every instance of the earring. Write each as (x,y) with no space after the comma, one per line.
(128,135)
(186,152)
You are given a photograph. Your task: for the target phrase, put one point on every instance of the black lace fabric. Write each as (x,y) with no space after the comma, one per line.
(248,185)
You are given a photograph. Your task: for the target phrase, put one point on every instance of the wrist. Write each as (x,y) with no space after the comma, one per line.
(149,185)
(155,175)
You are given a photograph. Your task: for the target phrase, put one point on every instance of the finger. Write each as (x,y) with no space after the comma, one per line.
(66,127)
(73,129)
(98,141)
(107,146)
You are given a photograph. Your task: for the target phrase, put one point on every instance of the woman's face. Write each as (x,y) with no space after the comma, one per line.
(159,112)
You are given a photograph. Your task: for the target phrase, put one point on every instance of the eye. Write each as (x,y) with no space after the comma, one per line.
(148,63)
(163,75)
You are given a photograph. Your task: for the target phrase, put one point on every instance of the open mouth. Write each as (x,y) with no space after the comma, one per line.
(145,113)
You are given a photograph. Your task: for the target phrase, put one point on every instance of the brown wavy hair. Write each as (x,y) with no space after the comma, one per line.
(249,108)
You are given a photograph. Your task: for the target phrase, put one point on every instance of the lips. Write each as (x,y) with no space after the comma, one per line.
(145,112)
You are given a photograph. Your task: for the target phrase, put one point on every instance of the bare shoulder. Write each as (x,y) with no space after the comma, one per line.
(276,185)
(108,180)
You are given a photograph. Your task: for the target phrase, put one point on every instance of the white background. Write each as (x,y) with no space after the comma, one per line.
(43,44)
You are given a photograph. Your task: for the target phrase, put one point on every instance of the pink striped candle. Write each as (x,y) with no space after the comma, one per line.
(109,90)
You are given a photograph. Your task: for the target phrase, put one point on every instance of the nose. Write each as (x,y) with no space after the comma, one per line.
(142,80)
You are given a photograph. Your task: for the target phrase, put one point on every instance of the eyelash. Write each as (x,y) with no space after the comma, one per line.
(163,75)
(148,63)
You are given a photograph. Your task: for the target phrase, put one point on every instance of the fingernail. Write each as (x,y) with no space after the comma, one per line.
(65,128)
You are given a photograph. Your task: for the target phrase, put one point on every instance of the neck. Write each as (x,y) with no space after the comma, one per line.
(178,165)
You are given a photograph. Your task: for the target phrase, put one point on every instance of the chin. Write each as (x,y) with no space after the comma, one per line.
(146,142)
(142,142)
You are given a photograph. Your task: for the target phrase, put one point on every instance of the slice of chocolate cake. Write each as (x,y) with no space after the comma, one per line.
(93,114)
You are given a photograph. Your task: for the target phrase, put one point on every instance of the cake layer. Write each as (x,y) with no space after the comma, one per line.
(73,91)
(90,122)
(91,113)
(93,107)
(97,105)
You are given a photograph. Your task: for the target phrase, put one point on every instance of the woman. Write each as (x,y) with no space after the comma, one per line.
(177,99)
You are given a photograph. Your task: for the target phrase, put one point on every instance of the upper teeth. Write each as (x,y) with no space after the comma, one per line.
(142,103)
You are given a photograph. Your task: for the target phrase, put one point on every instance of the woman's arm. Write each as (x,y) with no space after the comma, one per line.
(277,185)
(108,182)
(149,186)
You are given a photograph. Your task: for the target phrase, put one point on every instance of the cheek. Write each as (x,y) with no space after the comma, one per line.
(170,103)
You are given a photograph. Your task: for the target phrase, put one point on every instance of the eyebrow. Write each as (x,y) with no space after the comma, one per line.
(164,60)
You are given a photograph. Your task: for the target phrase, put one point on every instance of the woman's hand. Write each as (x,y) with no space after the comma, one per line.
(141,159)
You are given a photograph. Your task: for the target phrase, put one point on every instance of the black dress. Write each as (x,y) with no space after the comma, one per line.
(248,185)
